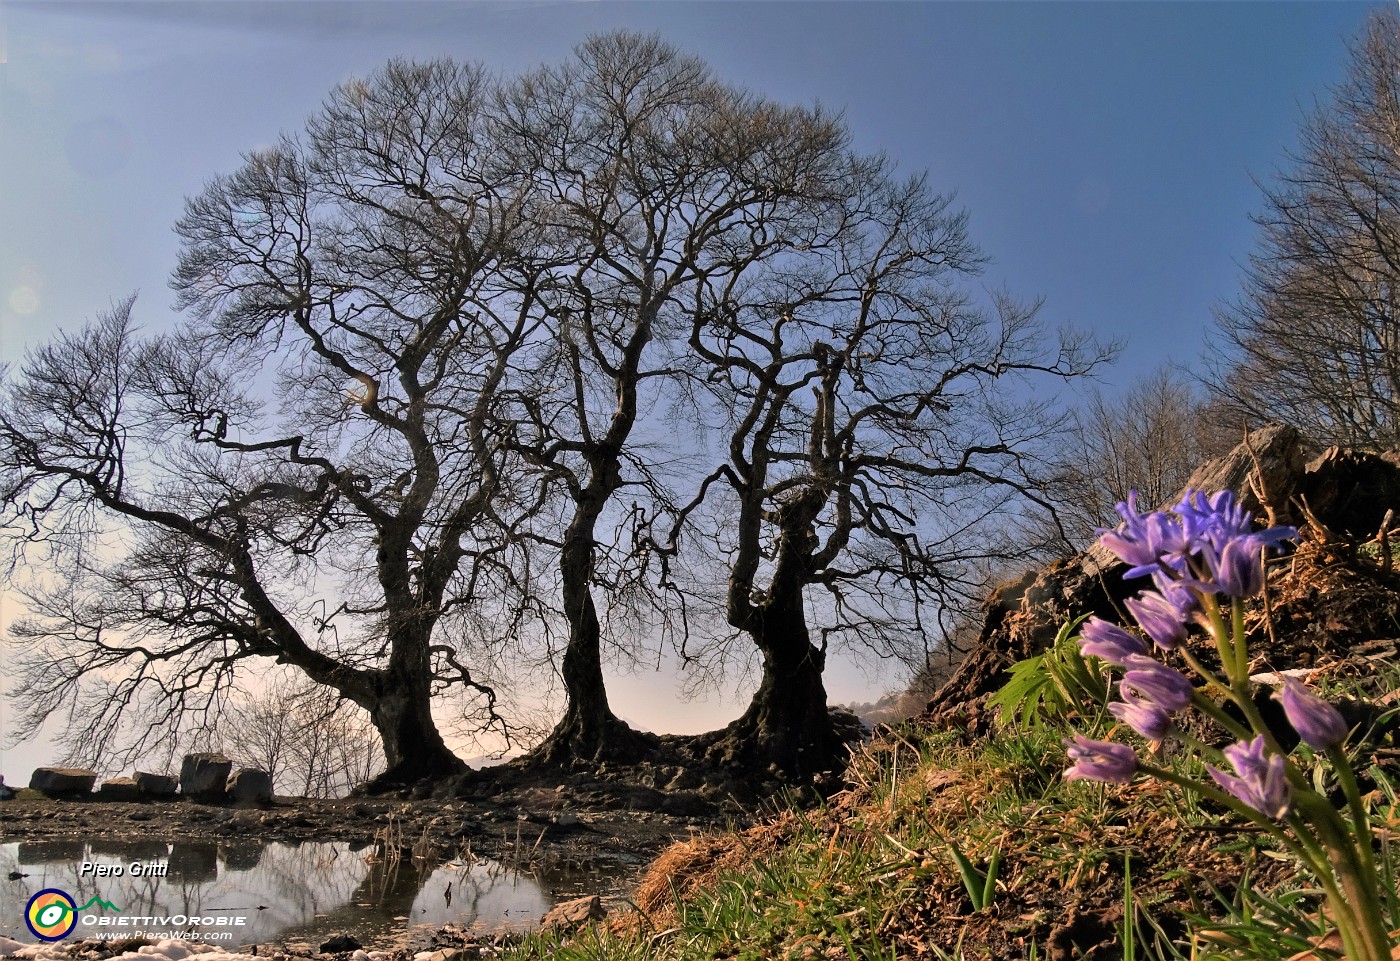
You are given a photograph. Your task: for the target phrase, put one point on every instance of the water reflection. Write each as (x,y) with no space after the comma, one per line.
(285,892)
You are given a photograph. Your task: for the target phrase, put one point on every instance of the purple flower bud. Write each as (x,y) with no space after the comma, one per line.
(1099,638)
(1274,536)
(1183,594)
(1215,519)
(1142,716)
(1153,680)
(1206,543)
(1318,723)
(1100,761)
(1261,783)
(1239,568)
(1163,621)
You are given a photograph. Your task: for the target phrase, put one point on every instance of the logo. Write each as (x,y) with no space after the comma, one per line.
(51,914)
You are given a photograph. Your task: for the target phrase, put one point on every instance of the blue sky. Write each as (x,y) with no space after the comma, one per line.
(1104,150)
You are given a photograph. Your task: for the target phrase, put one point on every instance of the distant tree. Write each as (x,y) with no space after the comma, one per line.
(1150,439)
(312,742)
(1316,332)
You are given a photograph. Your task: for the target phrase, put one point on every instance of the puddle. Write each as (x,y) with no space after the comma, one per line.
(283,892)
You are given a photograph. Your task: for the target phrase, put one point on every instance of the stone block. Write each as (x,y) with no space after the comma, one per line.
(204,777)
(156,785)
(250,786)
(574,914)
(119,789)
(61,781)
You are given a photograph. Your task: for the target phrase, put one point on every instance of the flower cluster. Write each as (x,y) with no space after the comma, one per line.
(1205,558)
(1201,548)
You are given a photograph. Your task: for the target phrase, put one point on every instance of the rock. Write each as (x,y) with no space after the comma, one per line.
(5,792)
(1350,491)
(685,804)
(119,789)
(204,777)
(8,947)
(468,952)
(573,914)
(684,780)
(337,943)
(1022,618)
(58,781)
(250,786)
(1267,467)
(156,785)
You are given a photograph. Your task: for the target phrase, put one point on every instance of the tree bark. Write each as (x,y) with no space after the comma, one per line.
(787,724)
(589,730)
(401,711)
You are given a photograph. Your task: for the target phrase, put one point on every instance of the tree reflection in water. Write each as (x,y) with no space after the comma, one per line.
(286,891)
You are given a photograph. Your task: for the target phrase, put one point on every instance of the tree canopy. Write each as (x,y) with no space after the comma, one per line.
(1315,336)
(478,368)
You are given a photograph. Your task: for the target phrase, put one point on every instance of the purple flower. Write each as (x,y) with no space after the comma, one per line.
(1163,621)
(1215,519)
(1100,761)
(1141,715)
(1205,543)
(1145,542)
(1099,638)
(1182,593)
(1261,783)
(1153,680)
(1318,723)
(1239,568)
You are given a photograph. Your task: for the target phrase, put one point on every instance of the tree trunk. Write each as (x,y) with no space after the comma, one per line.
(589,730)
(413,747)
(787,723)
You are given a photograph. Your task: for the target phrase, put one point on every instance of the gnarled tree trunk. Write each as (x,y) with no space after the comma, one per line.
(401,711)
(589,730)
(787,723)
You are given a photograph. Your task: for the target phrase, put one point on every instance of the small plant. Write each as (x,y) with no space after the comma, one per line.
(981,886)
(1205,559)
(1051,685)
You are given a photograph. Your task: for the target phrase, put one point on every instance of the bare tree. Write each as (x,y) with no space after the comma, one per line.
(651,180)
(1316,332)
(1150,439)
(883,429)
(310,470)
(312,742)
(414,415)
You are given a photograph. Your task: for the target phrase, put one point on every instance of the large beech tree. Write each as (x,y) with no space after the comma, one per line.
(309,469)
(886,431)
(651,180)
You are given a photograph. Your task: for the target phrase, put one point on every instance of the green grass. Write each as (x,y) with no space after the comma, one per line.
(897,866)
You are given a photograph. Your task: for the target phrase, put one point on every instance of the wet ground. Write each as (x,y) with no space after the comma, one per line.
(393,873)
